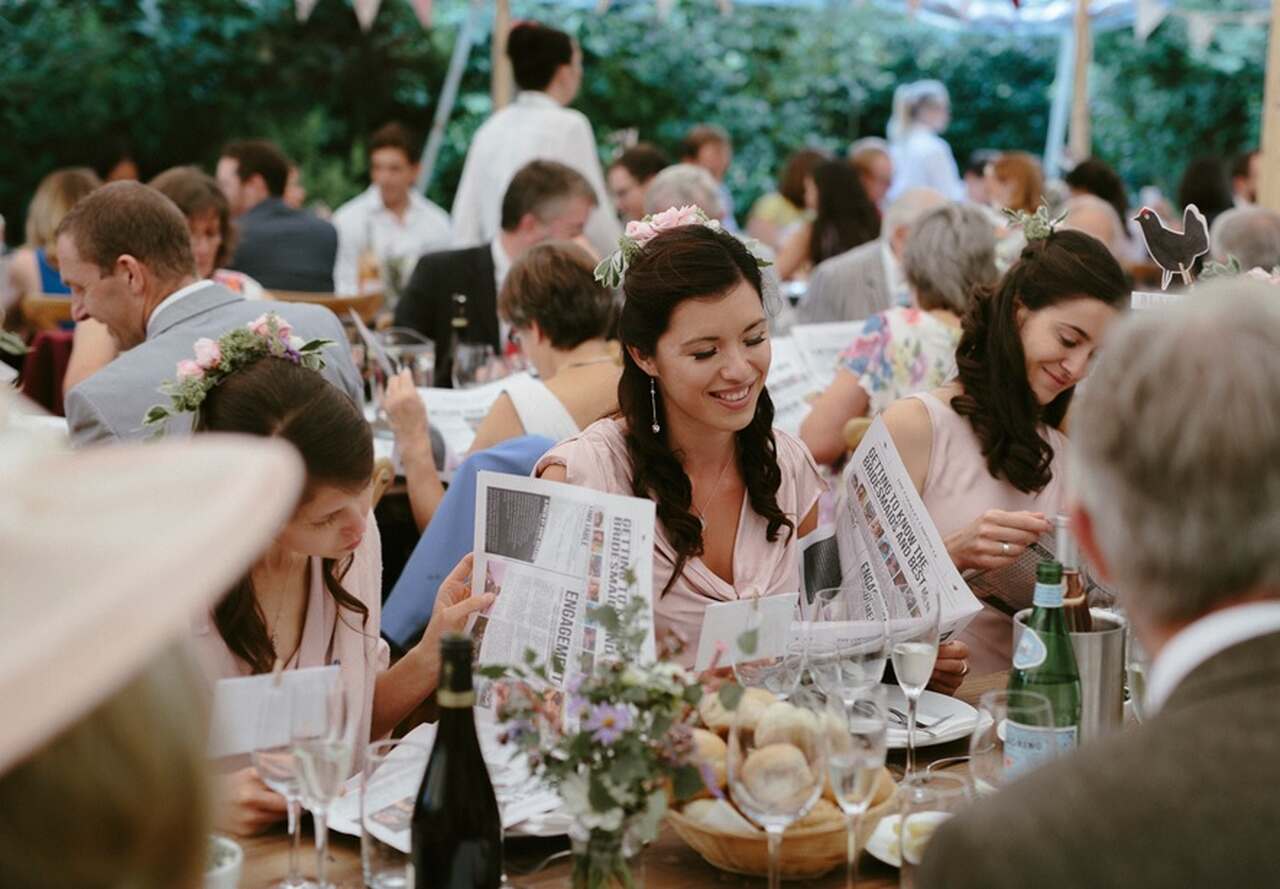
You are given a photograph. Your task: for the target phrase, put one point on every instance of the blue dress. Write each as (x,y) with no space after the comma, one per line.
(50,279)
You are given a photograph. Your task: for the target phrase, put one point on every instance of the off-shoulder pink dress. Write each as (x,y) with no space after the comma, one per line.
(597,458)
(329,635)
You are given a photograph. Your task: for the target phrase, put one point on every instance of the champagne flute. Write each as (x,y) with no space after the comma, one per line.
(855,757)
(471,364)
(848,640)
(322,747)
(913,629)
(776,774)
(779,674)
(274,761)
(927,801)
(1014,734)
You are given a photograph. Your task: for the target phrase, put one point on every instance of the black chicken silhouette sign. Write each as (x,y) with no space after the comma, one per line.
(1175,252)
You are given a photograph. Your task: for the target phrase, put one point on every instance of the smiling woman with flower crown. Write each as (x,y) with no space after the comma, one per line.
(314,596)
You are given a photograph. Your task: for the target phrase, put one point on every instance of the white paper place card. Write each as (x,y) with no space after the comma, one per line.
(237,724)
(726,621)
(1150,299)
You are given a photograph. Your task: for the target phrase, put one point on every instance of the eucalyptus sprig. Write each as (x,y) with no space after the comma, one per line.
(1035,226)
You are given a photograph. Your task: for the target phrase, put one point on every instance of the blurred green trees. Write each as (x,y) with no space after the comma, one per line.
(175,79)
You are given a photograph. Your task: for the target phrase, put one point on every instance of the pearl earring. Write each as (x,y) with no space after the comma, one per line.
(653,402)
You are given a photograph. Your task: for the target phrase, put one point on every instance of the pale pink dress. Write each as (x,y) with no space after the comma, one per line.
(329,635)
(597,458)
(958,488)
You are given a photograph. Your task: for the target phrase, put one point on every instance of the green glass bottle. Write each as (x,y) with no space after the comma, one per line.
(1044,662)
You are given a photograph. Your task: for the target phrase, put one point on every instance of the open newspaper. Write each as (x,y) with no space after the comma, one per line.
(884,539)
(457,413)
(820,346)
(549,551)
(792,385)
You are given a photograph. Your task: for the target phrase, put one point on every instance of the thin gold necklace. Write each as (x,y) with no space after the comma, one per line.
(702,517)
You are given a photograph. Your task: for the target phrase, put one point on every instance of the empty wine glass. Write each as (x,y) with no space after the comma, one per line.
(322,747)
(777,768)
(274,761)
(927,800)
(913,633)
(778,673)
(855,758)
(848,640)
(472,363)
(1014,733)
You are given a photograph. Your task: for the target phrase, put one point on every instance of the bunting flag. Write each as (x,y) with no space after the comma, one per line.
(1199,31)
(422,12)
(366,12)
(303,9)
(1147,17)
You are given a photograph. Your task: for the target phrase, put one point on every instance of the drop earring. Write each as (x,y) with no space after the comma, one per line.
(653,402)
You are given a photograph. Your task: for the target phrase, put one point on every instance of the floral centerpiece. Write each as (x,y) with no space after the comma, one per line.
(614,748)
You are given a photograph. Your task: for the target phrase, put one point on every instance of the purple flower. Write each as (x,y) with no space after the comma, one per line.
(607,722)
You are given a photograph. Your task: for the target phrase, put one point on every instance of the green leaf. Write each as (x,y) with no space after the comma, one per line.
(493,671)
(598,795)
(730,695)
(686,782)
(749,641)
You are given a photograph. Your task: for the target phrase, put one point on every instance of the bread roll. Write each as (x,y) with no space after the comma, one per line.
(823,814)
(710,748)
(778,776)
(716,814)
(784,723)
(753,704)
(885,787)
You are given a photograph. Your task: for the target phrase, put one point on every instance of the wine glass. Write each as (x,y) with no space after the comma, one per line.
(274,761)
(322,746)
(855,758)
(848,640)
(913,634)
(927,800)
(471,364)
(1014,734)
(779,674)
(777,768)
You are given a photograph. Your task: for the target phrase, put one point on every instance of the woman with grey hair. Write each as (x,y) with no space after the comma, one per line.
(684,185)
(950,252)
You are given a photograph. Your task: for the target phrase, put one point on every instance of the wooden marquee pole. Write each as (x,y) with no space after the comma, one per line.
(1269,191)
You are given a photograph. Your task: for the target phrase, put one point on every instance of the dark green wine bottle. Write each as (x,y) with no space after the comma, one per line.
(1044,662)
(457,828)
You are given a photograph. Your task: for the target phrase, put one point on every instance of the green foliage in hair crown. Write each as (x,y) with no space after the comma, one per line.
(270,336)
(1035,226)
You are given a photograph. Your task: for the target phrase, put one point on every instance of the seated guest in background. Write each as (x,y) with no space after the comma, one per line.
(1190,536)
(1250,234)
(867,279)
(870,157)
(390,220)
(1015,182)
(776,215)
(212,238)
(843,219)
(1246,176)
(986,452)
(125,252)
(709,147)
(1092,215)
(563,319)
(538,125)
(115,159)
(1095,177)
(295,193)
(950,254)
(545,200)
(281,247)
(629,176)
(314,597)
(684,185)
(975,176)
(1205,183)
(31,268)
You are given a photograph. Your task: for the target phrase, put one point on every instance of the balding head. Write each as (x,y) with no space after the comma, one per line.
(1250,234)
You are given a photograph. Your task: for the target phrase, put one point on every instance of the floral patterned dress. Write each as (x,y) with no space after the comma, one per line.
(899,352)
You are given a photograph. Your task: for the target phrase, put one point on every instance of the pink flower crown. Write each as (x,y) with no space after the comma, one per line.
(215,360)
(613,268)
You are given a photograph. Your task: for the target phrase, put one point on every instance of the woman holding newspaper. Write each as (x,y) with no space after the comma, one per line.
(986,451)
(694,432)
(314,597)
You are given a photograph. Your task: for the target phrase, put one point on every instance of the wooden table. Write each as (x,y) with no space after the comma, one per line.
(668,862)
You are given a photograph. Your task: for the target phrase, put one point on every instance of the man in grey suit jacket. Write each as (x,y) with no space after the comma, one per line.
(867,279)
(1178,507)
(125,252)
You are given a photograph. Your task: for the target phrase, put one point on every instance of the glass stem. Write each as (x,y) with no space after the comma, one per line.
(775,858)
(295,838)
(321,816)
(911,734)
(850,862)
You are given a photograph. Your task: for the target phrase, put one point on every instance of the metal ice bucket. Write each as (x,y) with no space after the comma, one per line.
(1100,659)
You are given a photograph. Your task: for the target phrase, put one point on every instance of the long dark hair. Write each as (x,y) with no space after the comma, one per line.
(690,262)
(846,217)
(997,397)
(275,398)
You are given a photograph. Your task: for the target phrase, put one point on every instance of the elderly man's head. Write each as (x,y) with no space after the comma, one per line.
(1250,234)
(684,185)
(1176,441)
(1092,215)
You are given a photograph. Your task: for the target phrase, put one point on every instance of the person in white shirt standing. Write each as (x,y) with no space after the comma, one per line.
(390,220)
(921,159)
(536,126)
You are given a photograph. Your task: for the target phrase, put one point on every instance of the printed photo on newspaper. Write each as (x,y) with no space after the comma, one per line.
(886,539)
(549,551)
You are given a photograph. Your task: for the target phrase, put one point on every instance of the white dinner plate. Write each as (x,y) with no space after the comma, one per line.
(933,707)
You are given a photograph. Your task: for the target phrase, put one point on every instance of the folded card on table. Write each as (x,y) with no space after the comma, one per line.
(727,621)
(237,724)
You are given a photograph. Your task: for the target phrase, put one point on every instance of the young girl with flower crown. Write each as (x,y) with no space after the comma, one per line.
(314,597)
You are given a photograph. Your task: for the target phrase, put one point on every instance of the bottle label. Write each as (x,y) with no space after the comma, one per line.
(455,699)
(1028,746)
(1031,650)
(1048,595)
